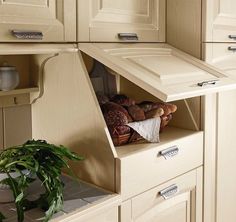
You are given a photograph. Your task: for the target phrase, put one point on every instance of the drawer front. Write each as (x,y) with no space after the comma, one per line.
(149,168)
(177,200)
(222,56)
(14,100)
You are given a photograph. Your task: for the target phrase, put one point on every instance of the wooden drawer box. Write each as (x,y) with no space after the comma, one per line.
(145,169)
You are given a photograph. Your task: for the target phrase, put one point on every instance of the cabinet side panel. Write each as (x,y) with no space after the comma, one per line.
(209,107)
(184,25)
(17,125)
(226,156)
(68,114)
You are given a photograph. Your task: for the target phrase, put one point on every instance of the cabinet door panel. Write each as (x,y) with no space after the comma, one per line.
(54,19)
(17,125)
(163,71)
(220,20)
(108,18)
(182,205)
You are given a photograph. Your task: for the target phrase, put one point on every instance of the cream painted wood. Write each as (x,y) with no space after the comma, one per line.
(101,21)
(219,55)
(225,159)
(209,119)
(160,69)
(184,25)
(17,125)
(34,49)
(219,20)
(69,114)
(184,206)
(1,129)
(110,215)
(15,99)
(144,167)
(56,19)
(125,211)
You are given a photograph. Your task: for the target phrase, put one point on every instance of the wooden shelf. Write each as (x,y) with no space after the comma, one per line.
(169,135)
(19,91)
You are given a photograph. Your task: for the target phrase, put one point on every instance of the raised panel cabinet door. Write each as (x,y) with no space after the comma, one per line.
(1,129)
(177,200)
(135,20)
(37,20)
(17,125)
(220,17)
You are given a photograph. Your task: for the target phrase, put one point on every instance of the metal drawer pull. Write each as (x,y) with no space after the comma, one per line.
(210,82)
(232,37)
(170,152)
(34,35)
(232,48)
(169,191)
(128,36)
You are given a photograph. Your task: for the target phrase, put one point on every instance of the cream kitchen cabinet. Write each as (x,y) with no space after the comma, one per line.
(219,21)
(218,27)
(38,20)
(177,200)
(223,57)
(65,110)
(112,21)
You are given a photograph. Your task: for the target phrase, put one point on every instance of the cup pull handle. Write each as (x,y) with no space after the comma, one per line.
(205,83)
(232,37)
(169,191)
(170,152)
(25,35)
(128,36)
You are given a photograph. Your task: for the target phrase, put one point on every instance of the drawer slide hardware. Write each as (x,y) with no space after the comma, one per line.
(128,36)
(232,37)
(205,83)
(25,35)
(169,191)
(170,152)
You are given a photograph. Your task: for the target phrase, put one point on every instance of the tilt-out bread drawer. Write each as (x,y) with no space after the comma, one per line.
(141,170)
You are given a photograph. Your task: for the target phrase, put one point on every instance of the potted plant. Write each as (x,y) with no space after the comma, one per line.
(35,159)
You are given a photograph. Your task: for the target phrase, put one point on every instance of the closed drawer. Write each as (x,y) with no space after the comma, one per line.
(14,100)
(177,200)
(148,168)
(222,56)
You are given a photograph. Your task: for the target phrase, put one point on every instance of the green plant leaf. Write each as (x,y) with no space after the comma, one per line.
(2,217)
(46,162)
(19,197)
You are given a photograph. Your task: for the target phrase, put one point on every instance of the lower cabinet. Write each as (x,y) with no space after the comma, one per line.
(178,200)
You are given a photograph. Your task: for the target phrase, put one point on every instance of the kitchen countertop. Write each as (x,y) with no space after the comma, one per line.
(79,198)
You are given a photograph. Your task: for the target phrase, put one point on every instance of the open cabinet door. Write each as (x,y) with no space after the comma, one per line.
(68,114)
(160,69)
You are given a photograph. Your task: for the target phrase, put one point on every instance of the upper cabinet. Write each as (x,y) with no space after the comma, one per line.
(220,25)
(120,21)
(37,20)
